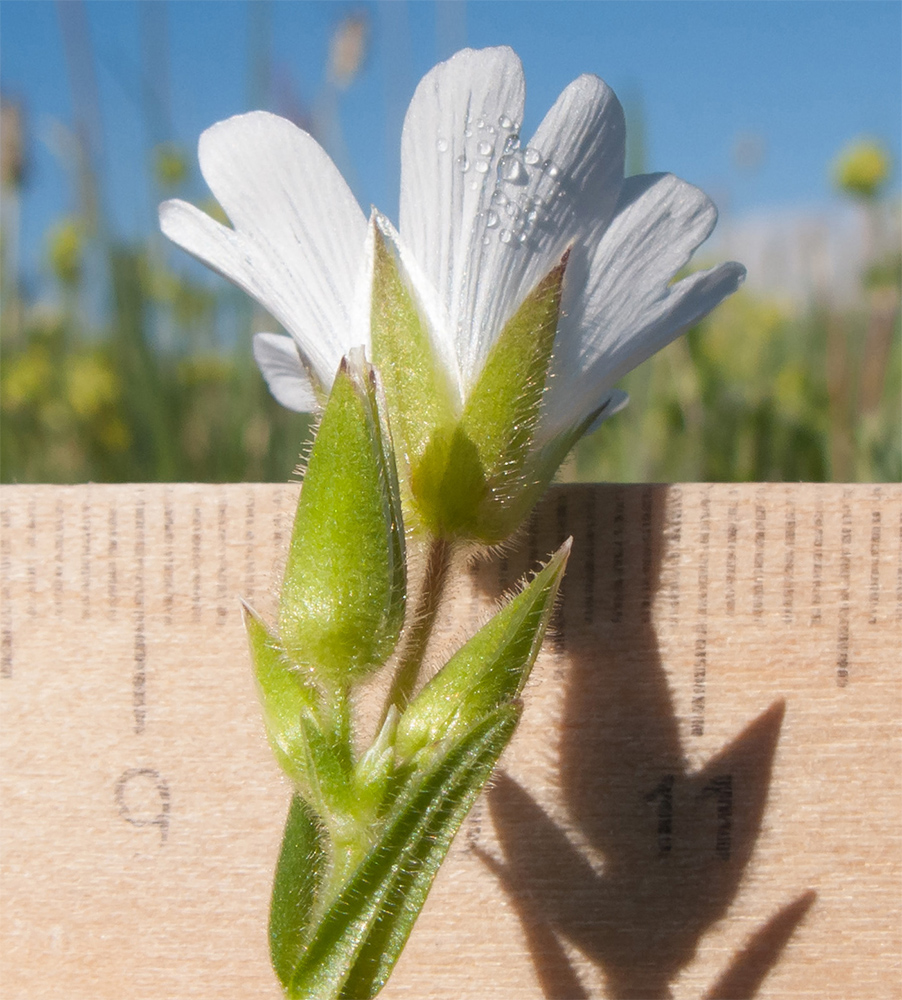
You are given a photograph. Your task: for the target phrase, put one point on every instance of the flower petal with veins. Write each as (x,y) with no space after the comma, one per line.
(620,305)
(299,240)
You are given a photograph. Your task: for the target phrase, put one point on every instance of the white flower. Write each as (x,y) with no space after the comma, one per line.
(484,217)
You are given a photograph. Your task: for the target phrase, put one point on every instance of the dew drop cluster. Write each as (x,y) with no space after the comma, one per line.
(491,154)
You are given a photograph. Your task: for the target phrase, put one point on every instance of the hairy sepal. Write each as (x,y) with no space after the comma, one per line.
(471,474)
(344,591)
(418,387)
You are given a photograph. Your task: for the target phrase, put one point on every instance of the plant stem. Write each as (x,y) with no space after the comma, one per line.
(408,671)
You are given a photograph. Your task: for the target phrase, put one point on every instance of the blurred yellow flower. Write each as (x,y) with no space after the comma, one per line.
(91,385)
(862,168)
(24,378)
(114,435)
(65,250)
(170,165)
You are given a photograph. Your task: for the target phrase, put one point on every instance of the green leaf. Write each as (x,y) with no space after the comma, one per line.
(487,672)
(310,737)
(344,592)
(417,387)
(503,408)
(354,947)
(375,769)
(284,694)
(299,872)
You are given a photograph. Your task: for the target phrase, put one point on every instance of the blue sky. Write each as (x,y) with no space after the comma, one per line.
(794,80)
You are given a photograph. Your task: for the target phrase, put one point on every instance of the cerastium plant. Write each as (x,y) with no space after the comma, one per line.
(368,830)
(455,362)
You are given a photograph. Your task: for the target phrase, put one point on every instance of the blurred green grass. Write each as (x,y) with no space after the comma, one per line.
(756,392)
(108,404)
(158,383)
(759,392)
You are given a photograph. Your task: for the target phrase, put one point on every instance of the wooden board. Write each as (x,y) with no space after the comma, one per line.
(703,797)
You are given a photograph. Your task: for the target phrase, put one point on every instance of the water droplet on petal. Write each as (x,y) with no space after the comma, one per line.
(521,237)
(532,156)
(484,148)
(491,219)
(512,143)
(468,132)
(499,196)
(480,122)
(551,169)
(482,166)
(505,236)
(511,169)
(442,145)
(463,163)
(505,122)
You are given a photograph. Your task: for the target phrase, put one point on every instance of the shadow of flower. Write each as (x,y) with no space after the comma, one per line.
(662,847)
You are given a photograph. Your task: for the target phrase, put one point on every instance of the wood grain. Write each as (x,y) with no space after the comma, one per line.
(703,799)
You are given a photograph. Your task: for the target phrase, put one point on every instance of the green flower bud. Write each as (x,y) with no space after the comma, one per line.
(344,592)
(467,462)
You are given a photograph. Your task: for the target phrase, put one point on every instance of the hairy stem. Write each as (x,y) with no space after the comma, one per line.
(408,670)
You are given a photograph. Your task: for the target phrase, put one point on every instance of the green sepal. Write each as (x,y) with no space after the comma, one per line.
(344,592)
(471,474)
(544,462)
(487,672)
(299,875)
(449,484)
(353,948)
(417,388)
(502,408)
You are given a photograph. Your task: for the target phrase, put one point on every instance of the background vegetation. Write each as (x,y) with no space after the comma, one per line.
(135,366)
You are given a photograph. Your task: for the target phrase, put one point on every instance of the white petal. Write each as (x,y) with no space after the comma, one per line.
(619,305)
(568,181)
(463,113)
(278,359)
(487,234)
(298,246)
(613,403)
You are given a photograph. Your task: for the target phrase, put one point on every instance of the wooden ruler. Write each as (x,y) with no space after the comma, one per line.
(703,797)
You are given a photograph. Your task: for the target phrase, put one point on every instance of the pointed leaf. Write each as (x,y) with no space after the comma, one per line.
(360,937)
(283,692)
(344,592)
(375,768)
(487,672)
(298,875)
